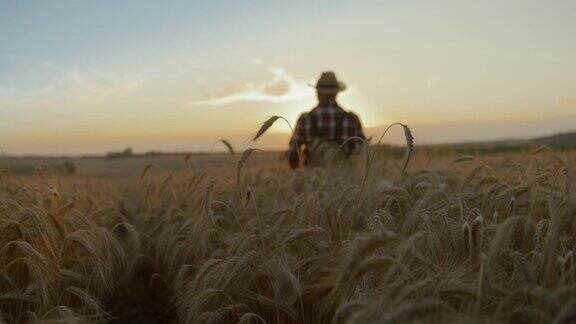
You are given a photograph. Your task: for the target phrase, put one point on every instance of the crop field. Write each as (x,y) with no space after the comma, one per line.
(242,239)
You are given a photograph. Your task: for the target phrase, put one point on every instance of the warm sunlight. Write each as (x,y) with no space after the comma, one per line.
(287,162)
(198,64)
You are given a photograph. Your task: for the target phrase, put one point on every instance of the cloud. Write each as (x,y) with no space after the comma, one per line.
(256,61)
(69,86)
(282,88)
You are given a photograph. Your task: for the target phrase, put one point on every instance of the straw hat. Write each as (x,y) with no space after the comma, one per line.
(328,83)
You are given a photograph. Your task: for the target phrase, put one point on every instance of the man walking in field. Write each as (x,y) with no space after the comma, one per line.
(325,128)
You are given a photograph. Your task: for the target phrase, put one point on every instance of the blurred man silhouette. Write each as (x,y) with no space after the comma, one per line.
(327,133)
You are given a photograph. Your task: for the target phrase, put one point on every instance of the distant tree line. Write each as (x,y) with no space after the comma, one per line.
(129,152)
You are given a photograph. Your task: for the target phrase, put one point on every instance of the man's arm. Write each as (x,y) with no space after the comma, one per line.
(358,131)
(300,137)
(354,129)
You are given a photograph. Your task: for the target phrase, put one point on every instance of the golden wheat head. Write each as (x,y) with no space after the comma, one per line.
(228,146)
(409,145)
(265,126)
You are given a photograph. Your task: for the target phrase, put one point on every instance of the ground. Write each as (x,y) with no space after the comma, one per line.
(203,238)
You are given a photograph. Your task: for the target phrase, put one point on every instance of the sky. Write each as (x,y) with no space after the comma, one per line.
(85,77)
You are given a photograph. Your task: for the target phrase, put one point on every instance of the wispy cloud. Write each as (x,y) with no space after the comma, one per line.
(256,61)
(69,86)
(282,88)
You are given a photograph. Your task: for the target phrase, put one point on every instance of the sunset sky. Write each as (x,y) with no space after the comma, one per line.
(79,77)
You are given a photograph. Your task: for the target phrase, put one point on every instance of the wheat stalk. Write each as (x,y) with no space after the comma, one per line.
(147,168)
(268,123)
(540,149)
(228,146)
(463,158)
(409,142)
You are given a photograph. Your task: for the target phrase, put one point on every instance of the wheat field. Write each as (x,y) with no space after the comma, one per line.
(486,239)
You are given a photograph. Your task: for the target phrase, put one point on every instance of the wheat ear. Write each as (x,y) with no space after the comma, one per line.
(268,123)
(409,142)
(228,146)
(146,169)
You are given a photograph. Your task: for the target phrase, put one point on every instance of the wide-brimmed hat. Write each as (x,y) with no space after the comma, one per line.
(328,83)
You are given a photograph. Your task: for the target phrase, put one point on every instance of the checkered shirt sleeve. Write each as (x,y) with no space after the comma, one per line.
(352,127)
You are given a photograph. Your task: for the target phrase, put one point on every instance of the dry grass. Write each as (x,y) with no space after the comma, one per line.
(449,240)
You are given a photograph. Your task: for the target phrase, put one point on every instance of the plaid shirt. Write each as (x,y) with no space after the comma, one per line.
(328,122)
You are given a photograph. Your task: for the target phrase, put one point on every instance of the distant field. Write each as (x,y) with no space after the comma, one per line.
(205,239)
(128,167)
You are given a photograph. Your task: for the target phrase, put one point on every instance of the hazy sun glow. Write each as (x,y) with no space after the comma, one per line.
(86,77)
